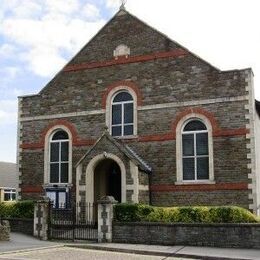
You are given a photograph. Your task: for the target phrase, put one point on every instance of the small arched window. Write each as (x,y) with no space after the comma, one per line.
(59,157)
(122,114)
(195,151)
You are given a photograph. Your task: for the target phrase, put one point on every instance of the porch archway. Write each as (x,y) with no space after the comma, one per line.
(90,171)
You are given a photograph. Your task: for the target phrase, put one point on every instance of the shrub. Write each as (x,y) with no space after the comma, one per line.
(131,212)
(193,215)
(231,215)
(138,212)
(20,209)
(167,215)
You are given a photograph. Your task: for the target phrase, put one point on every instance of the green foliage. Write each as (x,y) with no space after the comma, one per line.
(194,215)
(131,212)
(139,212)
(20,209)
(232,215)
(167,215)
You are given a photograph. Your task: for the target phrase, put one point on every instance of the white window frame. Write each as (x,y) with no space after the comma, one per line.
(109,102)
(122,107)
(11,192)
(179,148)
(48,139)
(195,156)
(60,141)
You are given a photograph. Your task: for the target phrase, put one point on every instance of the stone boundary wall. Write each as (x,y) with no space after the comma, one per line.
(4,231)
(212,235)
(21,225)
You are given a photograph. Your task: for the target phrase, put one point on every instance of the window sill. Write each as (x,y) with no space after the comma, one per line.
(57,185)
(194,182)
(126,137)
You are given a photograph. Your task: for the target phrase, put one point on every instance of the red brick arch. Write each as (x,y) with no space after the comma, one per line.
(65,123)
(76,141)
(127,83)
(197,110)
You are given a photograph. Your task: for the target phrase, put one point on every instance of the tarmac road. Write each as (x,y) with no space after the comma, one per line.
(64,253)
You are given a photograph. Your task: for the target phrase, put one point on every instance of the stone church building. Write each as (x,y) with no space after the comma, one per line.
(137,116)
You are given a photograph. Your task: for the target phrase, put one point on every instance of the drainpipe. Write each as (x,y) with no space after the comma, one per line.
(149,184)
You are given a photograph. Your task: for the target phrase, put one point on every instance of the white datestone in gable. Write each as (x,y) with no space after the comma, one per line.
(121,50)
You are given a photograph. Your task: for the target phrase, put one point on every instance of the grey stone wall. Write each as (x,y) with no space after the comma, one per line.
(4,232)
(144,197)
(212,235)
(203,198)
(186,78)
(19,225)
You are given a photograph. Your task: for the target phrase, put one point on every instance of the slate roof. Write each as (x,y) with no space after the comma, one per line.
(8,175)
(143,165)
(125,149)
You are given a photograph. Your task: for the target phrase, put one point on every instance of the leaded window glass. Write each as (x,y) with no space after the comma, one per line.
(59,157)
(122,114)
(195,151)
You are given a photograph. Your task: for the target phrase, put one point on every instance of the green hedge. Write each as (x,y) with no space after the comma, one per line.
(20,209)
(138,212)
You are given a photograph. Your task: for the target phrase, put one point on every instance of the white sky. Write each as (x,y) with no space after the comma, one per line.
(38,37)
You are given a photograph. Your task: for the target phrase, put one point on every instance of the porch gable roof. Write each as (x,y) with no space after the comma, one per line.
(125,149)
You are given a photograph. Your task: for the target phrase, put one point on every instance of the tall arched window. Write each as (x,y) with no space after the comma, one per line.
(122,114)
(59,157)
(195,151)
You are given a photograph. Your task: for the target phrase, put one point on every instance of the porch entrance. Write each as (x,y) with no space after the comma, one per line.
(107,180)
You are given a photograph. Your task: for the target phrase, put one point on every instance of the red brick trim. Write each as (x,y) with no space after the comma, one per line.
(126,83)
(230,132)
(146,138)
(126,60)
(31,189)
(216,130)
(63,122)
(32,146)
(156,138)
(172,136)
(75,140)
(196,110)
(198,187)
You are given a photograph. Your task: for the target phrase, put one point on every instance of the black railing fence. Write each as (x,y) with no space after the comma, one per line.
(78,222)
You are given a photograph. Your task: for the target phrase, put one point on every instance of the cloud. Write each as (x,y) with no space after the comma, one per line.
(113,4)
(7,50)
(90,11)
(7,75)
(61,6)
(47,41)
(45,61)
(11,71)
(8,112)
(28,9)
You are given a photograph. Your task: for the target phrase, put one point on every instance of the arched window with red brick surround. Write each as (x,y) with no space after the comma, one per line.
(121,112)
(59,157)
(194,150)
(58,165)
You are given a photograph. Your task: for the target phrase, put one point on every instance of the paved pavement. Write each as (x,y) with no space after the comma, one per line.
(178,251)
(64,253)
(21,242)
(25,247)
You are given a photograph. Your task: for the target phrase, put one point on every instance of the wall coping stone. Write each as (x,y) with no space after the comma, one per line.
(187,224)
(107,200)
